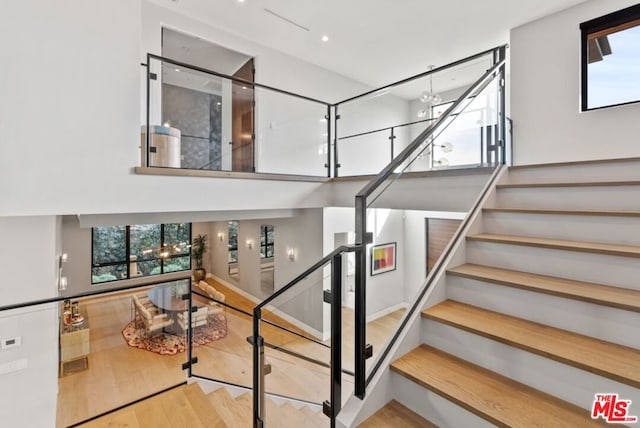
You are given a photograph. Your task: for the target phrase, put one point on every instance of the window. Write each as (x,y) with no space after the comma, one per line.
(266,242)
(611,59)
(233,241)
(124,252)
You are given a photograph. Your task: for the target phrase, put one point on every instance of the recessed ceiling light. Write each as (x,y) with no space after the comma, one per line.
(325,38)
(176,69)
(240,1)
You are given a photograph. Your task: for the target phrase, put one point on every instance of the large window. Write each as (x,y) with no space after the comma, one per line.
(611,59)
(266,242)
(124,252)
(233,241)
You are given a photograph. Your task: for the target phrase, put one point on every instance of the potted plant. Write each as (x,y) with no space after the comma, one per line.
(198,248)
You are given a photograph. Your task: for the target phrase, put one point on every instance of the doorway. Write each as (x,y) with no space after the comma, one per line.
(439,232)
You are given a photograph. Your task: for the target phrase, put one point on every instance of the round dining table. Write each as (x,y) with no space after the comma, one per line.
(164,297)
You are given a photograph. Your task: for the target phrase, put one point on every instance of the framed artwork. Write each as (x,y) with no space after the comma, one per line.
(383,258)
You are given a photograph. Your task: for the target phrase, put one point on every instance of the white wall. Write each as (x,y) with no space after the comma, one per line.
(545,94)
(303,234)
(29,272)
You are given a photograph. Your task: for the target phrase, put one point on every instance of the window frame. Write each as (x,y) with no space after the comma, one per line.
(264,231)
(605,22)
(127,261)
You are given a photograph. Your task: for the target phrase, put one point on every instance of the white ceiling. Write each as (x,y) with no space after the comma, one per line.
(372,41)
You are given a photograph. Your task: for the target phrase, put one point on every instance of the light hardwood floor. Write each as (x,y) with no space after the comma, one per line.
(119,374)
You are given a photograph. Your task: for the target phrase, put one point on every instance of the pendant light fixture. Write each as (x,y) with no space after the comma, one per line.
(429,97)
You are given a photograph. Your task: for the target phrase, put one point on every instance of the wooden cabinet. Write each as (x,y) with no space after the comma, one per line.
(74,346)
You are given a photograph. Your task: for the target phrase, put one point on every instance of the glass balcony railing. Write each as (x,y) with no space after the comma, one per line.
(202,120)
(401,111)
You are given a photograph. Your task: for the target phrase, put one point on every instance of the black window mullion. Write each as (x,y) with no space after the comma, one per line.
(128,250)
(162,248)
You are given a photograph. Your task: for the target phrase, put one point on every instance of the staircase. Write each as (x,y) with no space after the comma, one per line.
(235,408)
(539,308)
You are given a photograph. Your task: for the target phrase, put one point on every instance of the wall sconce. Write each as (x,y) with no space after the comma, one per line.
(221,236)
(291,254)
(62,280)
(250,244)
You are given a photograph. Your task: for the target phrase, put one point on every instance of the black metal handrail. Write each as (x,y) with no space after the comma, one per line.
(249,83)
(362,238)
(360,134)
(423,74)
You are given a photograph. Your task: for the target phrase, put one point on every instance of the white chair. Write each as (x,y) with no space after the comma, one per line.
(198,318)
(214,307)
(150,320)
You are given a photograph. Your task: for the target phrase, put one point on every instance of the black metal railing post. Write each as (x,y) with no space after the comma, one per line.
(189,328)
(148,136)
(360,310)
(336,337)
(392,139)
(336,162)
(328,119)
(502,118)
(258,371)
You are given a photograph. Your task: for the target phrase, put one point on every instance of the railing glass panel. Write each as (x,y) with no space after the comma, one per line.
(398,113)
(203,120)
(95,351)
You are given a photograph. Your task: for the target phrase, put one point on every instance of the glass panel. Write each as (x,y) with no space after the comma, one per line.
(109,244)
(122,347)
(145,242)
(291,135)
(177,264)
(202,121)
(221,342)
(108,273)
(396,260)
(408,108)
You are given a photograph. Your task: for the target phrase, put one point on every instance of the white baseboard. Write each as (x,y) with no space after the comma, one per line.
(310,330)
(374,316)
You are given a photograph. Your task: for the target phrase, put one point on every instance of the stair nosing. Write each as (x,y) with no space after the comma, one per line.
(602,213)
(531,348)
(527,185)
(559,244)
(557,293)
(574,163)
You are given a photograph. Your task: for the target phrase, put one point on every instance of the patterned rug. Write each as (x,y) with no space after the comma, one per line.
(169,344)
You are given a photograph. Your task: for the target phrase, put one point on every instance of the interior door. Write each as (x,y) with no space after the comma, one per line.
(439,232)
(243,118)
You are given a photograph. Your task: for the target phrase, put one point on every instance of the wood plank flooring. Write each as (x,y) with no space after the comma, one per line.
(489,395)
(120,374)
(579,351)
(621,298)
(393,415)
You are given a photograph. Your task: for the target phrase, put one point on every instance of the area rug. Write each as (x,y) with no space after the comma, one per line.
(170,344)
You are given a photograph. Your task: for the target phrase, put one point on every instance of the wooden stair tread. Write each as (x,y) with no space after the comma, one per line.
(568,184)
(394,414)
(563,212)
(559,244)
(489,395)
(621,298)
(611,360)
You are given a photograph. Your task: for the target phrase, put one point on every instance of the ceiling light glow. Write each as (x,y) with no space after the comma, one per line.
(325,38)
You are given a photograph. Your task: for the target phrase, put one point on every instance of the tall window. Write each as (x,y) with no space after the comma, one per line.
(124,252)
(266,242)
(611,59)
(233,241)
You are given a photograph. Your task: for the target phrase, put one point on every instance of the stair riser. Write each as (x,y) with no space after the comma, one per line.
(563,381)
(616,171)
(596,268)
(432,406)
(626,198)
(602,322)
(609,229)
